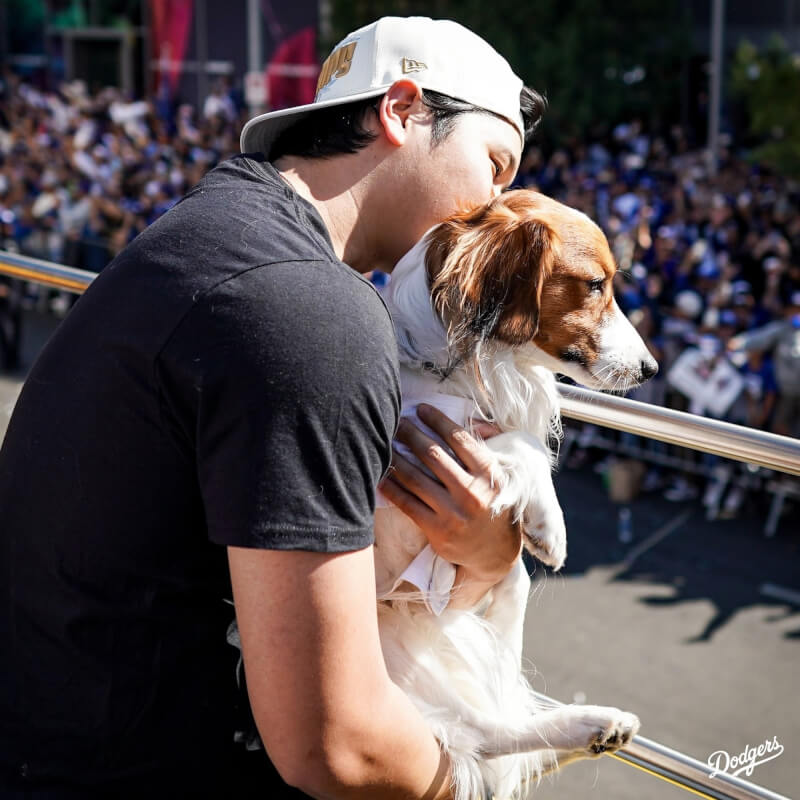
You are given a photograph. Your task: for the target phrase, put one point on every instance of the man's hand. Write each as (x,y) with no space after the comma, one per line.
(735,343)
(454,511)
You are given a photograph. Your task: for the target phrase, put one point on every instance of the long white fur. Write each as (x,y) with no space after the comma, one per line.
(460,664)
(462,669)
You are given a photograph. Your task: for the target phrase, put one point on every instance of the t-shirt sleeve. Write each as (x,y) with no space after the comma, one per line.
(284,380)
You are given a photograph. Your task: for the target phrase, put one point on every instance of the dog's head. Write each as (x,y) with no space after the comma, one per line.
(529,271)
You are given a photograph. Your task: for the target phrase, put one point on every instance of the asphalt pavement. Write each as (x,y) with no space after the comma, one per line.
(693,625)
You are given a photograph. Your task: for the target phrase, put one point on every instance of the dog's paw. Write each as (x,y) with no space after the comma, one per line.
(544,531)
(606,729)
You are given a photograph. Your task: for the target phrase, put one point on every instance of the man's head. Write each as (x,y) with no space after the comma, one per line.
(416,118)
(438,55)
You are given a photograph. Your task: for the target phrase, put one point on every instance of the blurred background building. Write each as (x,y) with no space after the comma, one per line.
(179,47)
(183,46)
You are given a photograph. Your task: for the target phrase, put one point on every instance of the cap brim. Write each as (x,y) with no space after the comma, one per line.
(259,134)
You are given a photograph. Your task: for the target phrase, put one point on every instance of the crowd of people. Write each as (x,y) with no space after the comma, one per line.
(81,175)
(709,261)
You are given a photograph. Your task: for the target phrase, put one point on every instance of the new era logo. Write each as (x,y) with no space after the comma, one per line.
(413,66)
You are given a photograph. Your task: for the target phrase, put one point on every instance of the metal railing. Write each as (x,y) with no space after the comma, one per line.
(752,446)
(674,427)
(45,273)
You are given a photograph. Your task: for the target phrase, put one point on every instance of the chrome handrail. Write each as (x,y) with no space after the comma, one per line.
(675,427)
(46,273)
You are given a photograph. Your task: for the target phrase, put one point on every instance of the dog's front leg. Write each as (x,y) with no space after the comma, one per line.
(580,731)
(526,485)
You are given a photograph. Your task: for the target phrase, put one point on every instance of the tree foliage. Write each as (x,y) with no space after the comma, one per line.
(768,83)
(597,61)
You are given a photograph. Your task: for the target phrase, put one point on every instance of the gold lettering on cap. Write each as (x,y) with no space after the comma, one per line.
(336,65)
(409,65)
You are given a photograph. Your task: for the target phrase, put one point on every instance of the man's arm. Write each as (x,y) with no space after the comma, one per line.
(454,512)
(759,339)
(333,723)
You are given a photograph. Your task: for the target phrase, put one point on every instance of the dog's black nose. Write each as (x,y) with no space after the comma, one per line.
(649,368)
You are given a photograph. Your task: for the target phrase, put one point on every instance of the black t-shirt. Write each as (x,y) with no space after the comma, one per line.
(226,380)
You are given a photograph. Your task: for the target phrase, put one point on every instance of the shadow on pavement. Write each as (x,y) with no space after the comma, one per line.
(726,562)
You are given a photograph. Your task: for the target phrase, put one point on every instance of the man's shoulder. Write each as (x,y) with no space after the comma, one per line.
(314,306)
(238,219)
(284,261)
(240,214)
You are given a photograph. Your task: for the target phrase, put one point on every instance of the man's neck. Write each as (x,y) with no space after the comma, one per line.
(336,187)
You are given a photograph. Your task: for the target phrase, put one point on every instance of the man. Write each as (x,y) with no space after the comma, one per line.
(784,336)
(215,413)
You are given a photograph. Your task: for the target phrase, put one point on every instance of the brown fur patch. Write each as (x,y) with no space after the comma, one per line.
(487,270)
(518,270)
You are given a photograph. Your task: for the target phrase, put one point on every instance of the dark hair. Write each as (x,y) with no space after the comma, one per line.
(446,109)
(342,129)
(328,132)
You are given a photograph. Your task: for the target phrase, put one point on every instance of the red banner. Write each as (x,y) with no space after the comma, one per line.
(170,21)
(292,72)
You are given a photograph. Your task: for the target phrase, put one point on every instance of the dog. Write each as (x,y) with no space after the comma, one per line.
(487,307)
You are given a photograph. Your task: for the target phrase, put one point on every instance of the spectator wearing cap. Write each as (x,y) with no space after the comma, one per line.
(760,392)
(743,305)
(680,324)
(782,337)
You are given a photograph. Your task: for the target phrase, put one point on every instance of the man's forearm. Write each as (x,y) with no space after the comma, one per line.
(762,338)
(331,720)
(382,751)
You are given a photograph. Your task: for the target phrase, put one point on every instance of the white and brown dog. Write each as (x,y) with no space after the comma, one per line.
(487,307)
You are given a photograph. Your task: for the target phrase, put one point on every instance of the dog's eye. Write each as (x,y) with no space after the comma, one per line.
(596,285)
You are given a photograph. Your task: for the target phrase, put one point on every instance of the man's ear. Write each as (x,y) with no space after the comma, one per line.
(396,107)
(487,269)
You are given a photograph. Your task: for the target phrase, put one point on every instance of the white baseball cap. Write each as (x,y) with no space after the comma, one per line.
(439,55)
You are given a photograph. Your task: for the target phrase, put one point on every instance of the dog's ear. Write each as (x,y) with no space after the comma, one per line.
(487,269)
